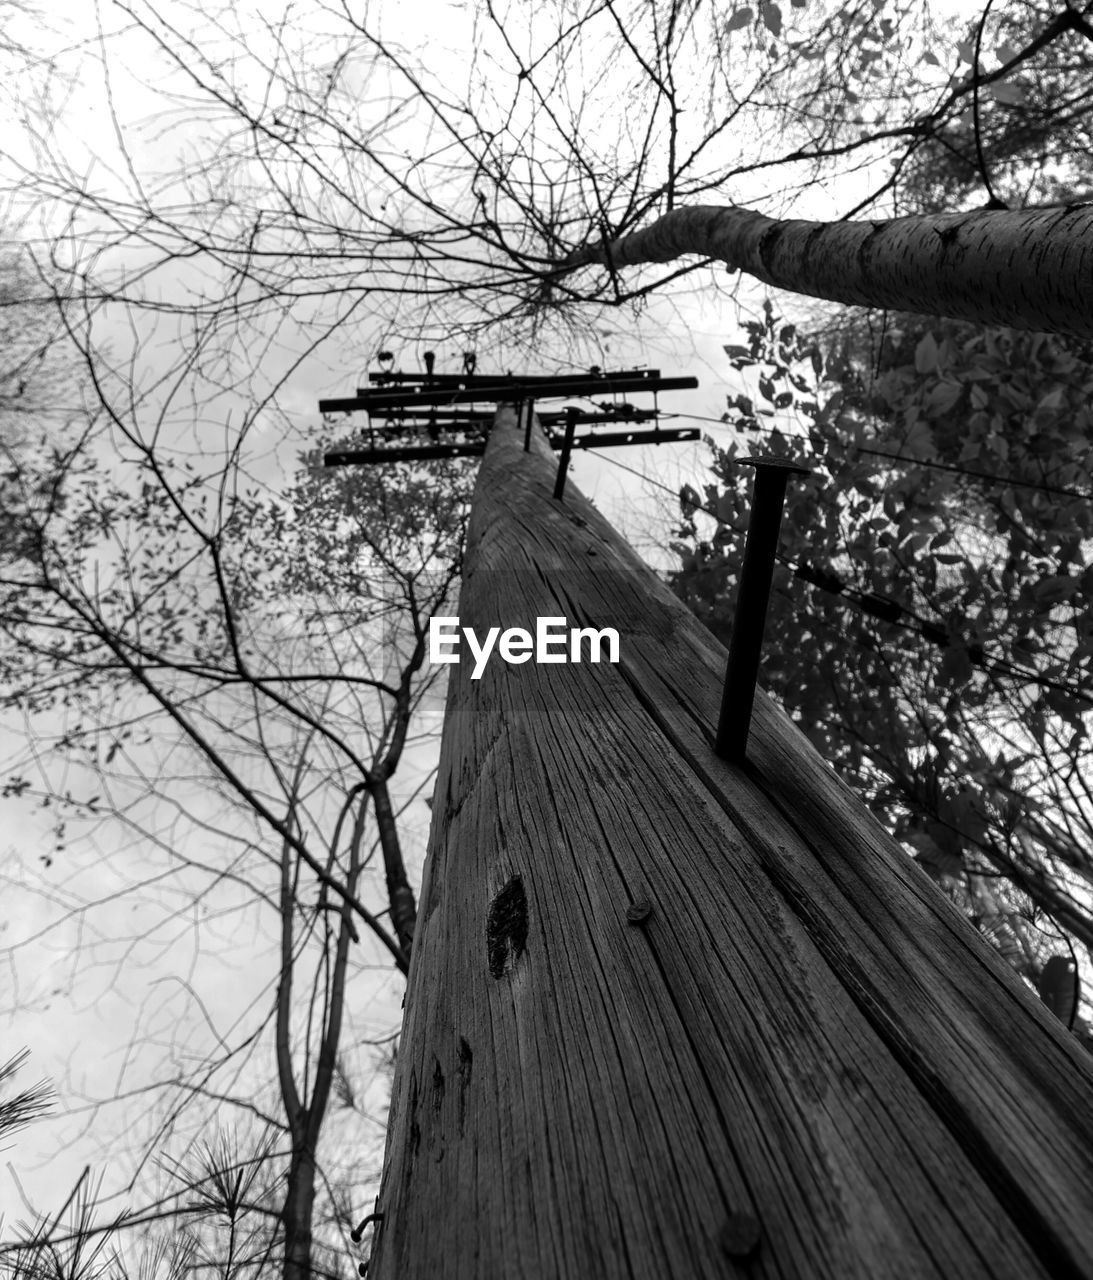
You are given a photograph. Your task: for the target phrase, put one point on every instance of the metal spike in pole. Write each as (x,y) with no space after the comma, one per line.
(752,597)
(571,412)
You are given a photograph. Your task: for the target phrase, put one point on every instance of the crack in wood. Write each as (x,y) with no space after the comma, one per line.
(415,1128)
(438,1086)
(466,1058)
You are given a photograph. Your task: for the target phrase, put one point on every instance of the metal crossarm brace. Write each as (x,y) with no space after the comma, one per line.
(396,427)
(448,380)
(505,393)
(591,440)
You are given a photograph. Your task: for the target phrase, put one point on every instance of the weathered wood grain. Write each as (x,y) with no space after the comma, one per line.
(802,1031)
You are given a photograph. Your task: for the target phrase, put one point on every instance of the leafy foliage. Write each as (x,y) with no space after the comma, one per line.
(1033,129)
(936,635)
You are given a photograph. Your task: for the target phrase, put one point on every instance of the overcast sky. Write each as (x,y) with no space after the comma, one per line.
(73,1017)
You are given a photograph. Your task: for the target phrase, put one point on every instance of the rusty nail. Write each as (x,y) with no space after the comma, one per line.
(639,912)
(740,1235)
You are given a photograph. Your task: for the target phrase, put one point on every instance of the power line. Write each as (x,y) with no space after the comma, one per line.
(888,610)
(884,607)
(1009,481)
(980,475)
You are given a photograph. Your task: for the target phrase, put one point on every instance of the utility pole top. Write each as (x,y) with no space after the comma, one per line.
(439,391)
(409,406)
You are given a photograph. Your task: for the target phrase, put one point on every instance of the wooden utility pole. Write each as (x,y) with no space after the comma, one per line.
(673,1017)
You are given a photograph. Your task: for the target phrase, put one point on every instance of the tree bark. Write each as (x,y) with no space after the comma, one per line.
(1026,268)
(297,1216)
(803,1059)
(304,1119)
(399,893)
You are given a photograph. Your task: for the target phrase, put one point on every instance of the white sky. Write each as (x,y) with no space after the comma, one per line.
(79,1021)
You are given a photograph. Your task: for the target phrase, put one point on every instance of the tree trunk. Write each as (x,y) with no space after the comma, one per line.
(297,1215)
(399,893)
(1026,268)
(802,1059)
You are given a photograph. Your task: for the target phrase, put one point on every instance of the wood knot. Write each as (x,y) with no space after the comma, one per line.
(507,927)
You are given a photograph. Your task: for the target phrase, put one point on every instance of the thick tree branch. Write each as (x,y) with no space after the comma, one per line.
(1025,268)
